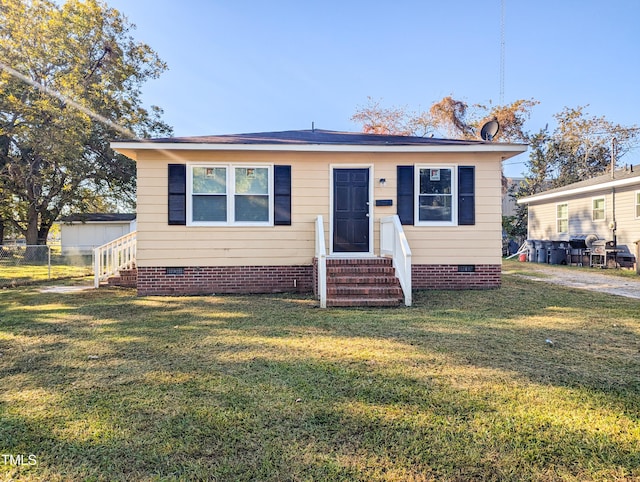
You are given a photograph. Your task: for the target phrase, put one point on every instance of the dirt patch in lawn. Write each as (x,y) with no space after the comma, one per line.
(582,279)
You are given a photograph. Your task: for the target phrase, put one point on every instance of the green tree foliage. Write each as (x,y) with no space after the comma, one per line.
(579,148)
(70,75)
(539,166)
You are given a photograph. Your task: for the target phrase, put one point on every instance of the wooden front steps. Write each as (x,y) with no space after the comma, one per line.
(362,282)
(126,278)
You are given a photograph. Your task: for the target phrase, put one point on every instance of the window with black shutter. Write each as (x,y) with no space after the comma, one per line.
(436,195)
(466,196)
(224,194)
(177,194)
(405,200)
(282,195)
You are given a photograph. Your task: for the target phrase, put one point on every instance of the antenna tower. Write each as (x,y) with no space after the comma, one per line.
(502,43)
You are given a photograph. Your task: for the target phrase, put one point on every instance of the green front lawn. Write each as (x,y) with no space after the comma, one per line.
(29,274)
(102,385)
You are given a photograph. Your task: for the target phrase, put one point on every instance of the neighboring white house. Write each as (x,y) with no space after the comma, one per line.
(81,233)
(605,208)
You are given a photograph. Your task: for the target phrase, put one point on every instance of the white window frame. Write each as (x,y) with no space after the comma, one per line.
(637,204)
(454,195)
(604,209)
(230,182)
(558,219)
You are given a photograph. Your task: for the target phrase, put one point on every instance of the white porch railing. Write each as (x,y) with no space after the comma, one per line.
(394,244)
(321,255)
(110,258)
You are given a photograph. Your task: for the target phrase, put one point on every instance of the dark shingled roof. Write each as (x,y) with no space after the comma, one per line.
(97,217)
(315,136)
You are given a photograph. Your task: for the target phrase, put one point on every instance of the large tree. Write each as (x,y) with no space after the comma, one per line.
(584,146)
(579,148)
(536,180)
(70,81)
(446,117)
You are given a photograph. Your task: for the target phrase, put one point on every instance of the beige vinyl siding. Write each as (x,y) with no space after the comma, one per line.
(162,245)
(628,226)
(542,217)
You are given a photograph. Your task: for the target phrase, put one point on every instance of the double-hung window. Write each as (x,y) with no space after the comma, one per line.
(637,204)
(598,212)
(230,195)
(436,200)
(562,218)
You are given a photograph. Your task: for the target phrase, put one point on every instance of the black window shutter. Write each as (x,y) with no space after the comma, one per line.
(177,194)
(466,195)
(282,195)
(405,194)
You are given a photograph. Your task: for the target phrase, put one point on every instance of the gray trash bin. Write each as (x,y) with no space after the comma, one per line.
(558,252)
(532,256)
(541,251)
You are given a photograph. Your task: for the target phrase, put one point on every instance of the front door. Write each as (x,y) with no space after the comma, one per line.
(351,210)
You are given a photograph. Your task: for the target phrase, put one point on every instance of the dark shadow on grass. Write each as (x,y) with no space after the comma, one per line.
(197,386)
(275,420)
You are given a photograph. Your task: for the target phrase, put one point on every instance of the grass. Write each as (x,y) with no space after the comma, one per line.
(103,385)
(11,276)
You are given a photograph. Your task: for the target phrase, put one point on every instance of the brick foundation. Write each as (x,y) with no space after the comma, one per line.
(448,277)
(224,279)
(296,279)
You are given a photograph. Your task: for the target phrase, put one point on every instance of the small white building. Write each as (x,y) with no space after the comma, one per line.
(81,233)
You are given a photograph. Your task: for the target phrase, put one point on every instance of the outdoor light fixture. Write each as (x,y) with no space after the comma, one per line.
(383,181)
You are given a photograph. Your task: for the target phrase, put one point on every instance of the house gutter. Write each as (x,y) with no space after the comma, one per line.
(580,190)
(131,147)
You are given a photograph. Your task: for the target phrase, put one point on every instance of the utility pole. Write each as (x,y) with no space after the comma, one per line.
(613,156)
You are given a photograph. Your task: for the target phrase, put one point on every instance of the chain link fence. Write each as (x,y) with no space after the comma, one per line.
(24,264)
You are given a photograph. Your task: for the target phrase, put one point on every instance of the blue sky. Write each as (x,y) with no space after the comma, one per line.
(238,66)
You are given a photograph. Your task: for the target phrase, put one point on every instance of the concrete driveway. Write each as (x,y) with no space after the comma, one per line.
(583,279)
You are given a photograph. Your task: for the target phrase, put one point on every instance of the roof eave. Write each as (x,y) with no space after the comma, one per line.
(580,190)
(129,148)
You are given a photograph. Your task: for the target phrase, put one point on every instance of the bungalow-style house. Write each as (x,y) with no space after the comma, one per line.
(81,233)
(267,212)
(604,211)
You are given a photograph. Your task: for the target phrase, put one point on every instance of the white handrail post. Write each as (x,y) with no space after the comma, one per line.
(393,243)
(321,255)
(97,254)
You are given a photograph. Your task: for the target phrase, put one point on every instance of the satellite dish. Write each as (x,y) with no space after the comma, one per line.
(489,130)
